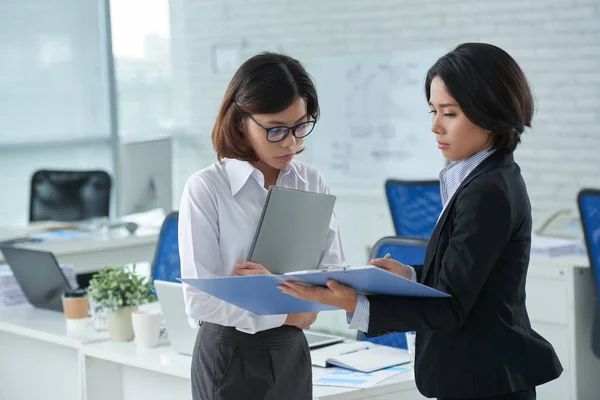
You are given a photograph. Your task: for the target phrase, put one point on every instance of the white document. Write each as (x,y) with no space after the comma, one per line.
(345,378)
(360,356)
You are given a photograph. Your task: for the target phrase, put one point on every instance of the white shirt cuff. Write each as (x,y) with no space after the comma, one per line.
(359,319)
(413,277)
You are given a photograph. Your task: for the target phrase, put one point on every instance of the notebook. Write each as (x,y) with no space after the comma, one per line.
(359,356)
(292,230)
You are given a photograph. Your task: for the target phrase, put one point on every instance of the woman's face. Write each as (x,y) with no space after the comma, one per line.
(280,154)
(457,137)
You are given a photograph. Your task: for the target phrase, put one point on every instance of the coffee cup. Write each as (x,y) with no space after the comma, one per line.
(75,304)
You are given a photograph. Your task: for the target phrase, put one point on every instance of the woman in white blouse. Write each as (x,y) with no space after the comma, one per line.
(268,110)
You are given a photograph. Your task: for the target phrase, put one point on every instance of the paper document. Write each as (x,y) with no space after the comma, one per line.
(360,356)
(346,378)
(557,247)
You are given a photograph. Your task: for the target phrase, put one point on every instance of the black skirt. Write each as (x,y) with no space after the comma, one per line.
(270,365)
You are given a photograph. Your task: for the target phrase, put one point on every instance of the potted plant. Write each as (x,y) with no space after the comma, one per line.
(120,291)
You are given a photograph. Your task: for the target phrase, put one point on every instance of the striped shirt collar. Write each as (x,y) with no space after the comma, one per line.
(454,174)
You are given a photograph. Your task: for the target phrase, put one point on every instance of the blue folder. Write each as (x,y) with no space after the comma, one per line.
(260,295)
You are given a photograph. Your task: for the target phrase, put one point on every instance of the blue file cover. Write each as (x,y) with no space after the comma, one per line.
(259,294)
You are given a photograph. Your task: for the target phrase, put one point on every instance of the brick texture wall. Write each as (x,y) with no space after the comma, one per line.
(555,41)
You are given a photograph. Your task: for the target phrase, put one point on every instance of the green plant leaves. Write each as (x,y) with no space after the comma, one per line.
(117,287)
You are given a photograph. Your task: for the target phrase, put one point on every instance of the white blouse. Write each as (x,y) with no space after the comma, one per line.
(219,211)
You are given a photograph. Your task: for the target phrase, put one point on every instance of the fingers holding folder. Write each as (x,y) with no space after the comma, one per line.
(335,294)
(247,268)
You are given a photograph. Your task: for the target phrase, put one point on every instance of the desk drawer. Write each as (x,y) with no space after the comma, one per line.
(558,389)
(547,299)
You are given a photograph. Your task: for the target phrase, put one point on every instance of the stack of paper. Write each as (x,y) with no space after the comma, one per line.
(346,378)
(10,291)
(360,356)
(556,247)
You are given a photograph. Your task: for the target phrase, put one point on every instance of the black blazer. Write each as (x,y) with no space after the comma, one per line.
(478,342)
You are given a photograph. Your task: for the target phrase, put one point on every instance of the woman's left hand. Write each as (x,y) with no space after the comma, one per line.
(249,268)
(335,294)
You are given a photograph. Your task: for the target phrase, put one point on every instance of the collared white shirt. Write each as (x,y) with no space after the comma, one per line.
(451,178)
(219,211)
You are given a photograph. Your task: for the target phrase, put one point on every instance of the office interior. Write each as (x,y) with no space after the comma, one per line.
(122,95)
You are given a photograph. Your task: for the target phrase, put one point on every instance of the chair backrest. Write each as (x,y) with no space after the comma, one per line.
(166,266)
(408,251)
(69,195)
(415,206)
(589,210)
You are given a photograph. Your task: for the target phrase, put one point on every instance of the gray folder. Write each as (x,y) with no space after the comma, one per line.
(292,230)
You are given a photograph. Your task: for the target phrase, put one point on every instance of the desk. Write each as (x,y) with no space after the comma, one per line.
(560,301)
(42,359)
(94,252)
(38,358)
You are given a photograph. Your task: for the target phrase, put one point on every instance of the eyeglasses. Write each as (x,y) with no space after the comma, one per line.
(279,133)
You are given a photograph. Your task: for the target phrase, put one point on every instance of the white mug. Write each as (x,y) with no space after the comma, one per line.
(146,327)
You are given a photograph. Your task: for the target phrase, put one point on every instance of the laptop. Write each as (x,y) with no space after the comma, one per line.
(292,230)
(181,329)
(39,276)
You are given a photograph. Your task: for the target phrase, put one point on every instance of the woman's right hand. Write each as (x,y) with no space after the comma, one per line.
(301,320)
(393,266)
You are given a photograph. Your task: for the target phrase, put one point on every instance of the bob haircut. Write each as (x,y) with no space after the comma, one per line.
(267,83)
(490,88)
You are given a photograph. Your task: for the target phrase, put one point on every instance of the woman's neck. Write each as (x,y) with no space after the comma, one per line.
(270,174)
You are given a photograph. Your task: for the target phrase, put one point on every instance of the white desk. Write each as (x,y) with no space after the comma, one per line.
(94,252)
(39,358)
(560,301)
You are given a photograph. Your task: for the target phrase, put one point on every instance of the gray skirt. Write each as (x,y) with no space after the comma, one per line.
(270,365)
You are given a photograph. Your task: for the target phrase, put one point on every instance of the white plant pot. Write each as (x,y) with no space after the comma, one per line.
(119,324)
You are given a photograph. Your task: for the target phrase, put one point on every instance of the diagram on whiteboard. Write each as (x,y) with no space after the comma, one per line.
(374,120)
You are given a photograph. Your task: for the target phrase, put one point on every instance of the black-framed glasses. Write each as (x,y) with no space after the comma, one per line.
(279,133)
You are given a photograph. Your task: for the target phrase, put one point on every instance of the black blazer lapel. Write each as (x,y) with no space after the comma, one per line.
(498,159)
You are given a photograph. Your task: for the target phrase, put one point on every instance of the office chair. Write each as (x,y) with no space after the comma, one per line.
(69,195)
(166,266)
(408,251)
(589,209)
(415,206)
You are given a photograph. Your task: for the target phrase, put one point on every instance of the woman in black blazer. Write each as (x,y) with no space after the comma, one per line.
(478,343)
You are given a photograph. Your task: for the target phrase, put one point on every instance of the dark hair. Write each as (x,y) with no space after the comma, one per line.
(490,88)
(267,83)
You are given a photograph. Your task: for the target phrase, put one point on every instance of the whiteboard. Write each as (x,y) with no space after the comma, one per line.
(375,122)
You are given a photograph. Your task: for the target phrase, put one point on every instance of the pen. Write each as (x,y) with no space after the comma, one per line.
(387,256)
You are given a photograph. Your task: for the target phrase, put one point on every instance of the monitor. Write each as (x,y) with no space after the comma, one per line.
(145,176)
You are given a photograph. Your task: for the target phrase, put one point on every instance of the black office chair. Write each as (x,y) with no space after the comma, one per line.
(69,195)
(589,209)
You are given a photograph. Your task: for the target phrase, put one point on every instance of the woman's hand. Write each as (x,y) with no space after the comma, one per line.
(393,266)
(249,268)
(335,294)
(301,320)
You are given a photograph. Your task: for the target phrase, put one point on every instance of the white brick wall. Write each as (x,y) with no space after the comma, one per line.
(555,41)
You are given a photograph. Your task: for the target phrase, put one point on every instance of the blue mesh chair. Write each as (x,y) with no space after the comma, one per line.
(165,266)
(589,209)
(415,206)
(408,251)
